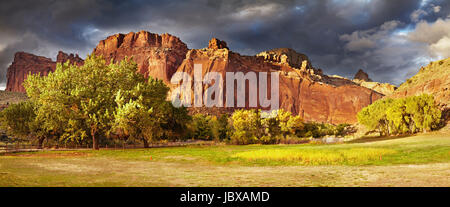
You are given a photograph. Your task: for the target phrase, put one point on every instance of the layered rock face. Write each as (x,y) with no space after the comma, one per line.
(287,56)
(25,63)
(301,90)
(432,79)
(362,78)
(156,55)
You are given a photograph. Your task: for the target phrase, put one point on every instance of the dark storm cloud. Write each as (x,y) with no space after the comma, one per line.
(249,26)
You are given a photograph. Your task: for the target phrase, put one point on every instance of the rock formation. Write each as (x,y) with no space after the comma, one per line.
(383,88)
(303,90)
(362,78)
(156,55)
(433,79)
(215,44)
(25,63)
(63,57)
(286,56)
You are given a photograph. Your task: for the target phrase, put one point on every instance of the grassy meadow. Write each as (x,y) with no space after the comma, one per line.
(422,160)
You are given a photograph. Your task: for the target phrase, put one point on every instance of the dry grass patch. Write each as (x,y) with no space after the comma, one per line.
(316,156)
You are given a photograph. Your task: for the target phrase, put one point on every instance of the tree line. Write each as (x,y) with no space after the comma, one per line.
(98,102)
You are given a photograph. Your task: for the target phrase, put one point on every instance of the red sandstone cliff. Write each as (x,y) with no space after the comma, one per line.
(63,57)
(156,55)
(25,63)
(301,89)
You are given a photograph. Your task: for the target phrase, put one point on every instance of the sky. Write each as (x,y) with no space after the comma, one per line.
(389,39)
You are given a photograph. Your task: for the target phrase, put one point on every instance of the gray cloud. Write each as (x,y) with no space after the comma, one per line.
(316,28)
(435,35)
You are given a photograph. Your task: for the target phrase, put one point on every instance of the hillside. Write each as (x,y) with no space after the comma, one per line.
(432,79)
(8,97)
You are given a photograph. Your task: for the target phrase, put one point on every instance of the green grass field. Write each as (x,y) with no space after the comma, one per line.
(422,160)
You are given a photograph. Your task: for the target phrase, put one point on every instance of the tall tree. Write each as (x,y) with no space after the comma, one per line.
(78,102)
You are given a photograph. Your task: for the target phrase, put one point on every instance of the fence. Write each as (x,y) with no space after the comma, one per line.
(22,147)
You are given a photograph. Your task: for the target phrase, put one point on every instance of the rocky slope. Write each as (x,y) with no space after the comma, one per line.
(432,79)
(25,63)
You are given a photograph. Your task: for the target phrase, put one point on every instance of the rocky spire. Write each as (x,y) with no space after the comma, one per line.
(361,75)
(216,44)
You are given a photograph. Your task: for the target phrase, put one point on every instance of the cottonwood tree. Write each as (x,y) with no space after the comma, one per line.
(247,126)
(79,102)
(141,112)
(399,116)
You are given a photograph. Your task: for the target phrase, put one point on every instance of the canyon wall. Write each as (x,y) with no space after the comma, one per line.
(303,89)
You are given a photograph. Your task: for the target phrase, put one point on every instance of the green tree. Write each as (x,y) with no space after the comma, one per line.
(79,102)
(202,125)
(374,116)
(399,116)
(139,113)
(21,120)
(425,115)
(223,127)
(247,126)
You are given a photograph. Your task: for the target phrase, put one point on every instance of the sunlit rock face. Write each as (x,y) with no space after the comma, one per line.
(156,55)
(303,89)
(26,63)
(362,78)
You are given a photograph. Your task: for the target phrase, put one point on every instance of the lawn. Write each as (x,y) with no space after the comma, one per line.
(422,160)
